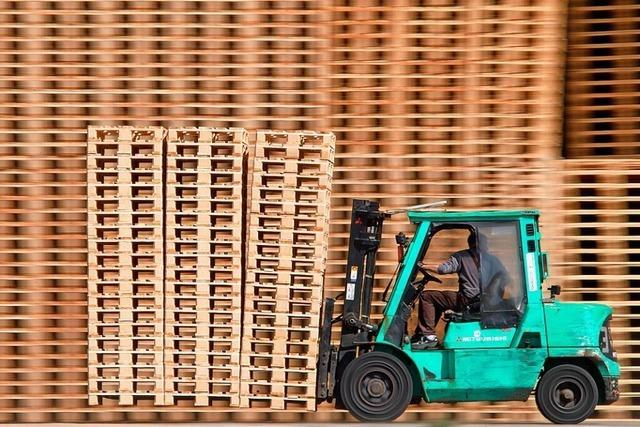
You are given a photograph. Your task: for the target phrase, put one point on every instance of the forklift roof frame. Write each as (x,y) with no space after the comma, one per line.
(469,216)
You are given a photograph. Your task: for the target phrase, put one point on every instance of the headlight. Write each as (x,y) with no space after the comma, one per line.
(606,344)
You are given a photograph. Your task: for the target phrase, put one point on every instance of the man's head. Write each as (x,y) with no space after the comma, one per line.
(473,242)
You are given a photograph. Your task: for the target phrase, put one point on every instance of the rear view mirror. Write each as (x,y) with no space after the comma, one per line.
(554,290)
(402,241)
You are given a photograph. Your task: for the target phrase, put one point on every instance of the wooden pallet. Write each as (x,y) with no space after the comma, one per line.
(203,263)
(125,247)
(286,256)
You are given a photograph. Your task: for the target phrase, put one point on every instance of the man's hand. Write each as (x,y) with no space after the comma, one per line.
(430,267)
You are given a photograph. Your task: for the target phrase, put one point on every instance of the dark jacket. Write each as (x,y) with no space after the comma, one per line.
(494,275)
(463,263)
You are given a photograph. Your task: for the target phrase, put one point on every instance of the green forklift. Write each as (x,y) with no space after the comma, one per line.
(511,342)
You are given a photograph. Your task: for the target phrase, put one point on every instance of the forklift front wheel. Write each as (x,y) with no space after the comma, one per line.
(566,394)
(376,387)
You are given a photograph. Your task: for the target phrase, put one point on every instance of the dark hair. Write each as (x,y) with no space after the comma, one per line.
(471,240)
(477,242)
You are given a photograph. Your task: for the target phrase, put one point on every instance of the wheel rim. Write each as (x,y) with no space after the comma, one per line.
(376,388)
(568,395)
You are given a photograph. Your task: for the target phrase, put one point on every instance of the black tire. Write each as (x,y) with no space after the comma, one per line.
(566,394)
(376,387)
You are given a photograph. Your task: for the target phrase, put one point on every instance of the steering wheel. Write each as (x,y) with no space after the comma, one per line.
(428,277)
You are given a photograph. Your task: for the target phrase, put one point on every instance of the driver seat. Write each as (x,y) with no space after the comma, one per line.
(470,313)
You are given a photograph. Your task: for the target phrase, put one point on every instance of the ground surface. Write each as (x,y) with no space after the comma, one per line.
(440,424)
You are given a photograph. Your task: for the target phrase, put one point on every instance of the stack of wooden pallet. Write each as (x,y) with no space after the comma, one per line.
(199,280)
(287,249)
(203,264)
(125,264)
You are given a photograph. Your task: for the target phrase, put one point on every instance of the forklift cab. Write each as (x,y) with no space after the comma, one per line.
(496,250)
(498,353)
(502,302)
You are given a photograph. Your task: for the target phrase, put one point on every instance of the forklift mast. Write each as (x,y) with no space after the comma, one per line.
(364,241)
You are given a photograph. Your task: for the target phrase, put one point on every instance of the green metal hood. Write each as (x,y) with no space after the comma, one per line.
(574,324)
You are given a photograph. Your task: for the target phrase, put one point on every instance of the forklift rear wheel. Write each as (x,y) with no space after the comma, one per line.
(566,394)
(376,387)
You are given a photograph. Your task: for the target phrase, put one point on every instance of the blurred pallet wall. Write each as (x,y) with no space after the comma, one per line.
(601,253)
(603,79)
(428,99)
(601,174)
(442,100)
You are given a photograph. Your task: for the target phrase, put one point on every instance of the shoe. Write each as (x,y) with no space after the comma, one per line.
(418,337)
(424,342)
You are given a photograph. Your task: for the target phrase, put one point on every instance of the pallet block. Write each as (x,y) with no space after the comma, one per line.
(203,265)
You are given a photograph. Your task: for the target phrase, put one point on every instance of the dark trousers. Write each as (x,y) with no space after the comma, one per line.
(432,304)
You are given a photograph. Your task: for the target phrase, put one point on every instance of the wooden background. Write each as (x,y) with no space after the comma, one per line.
(487,103)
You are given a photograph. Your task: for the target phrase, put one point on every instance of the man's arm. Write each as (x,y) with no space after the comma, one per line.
(450,266)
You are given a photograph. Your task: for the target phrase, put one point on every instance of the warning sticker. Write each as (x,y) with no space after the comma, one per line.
(353,275)
(532,274)
(351,290)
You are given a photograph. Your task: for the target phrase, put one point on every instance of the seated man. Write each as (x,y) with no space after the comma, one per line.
(433,303)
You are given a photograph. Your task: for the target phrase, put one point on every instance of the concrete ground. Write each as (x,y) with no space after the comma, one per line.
(438,424)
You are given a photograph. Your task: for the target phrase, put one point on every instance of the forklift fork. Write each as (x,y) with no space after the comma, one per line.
(328,354)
